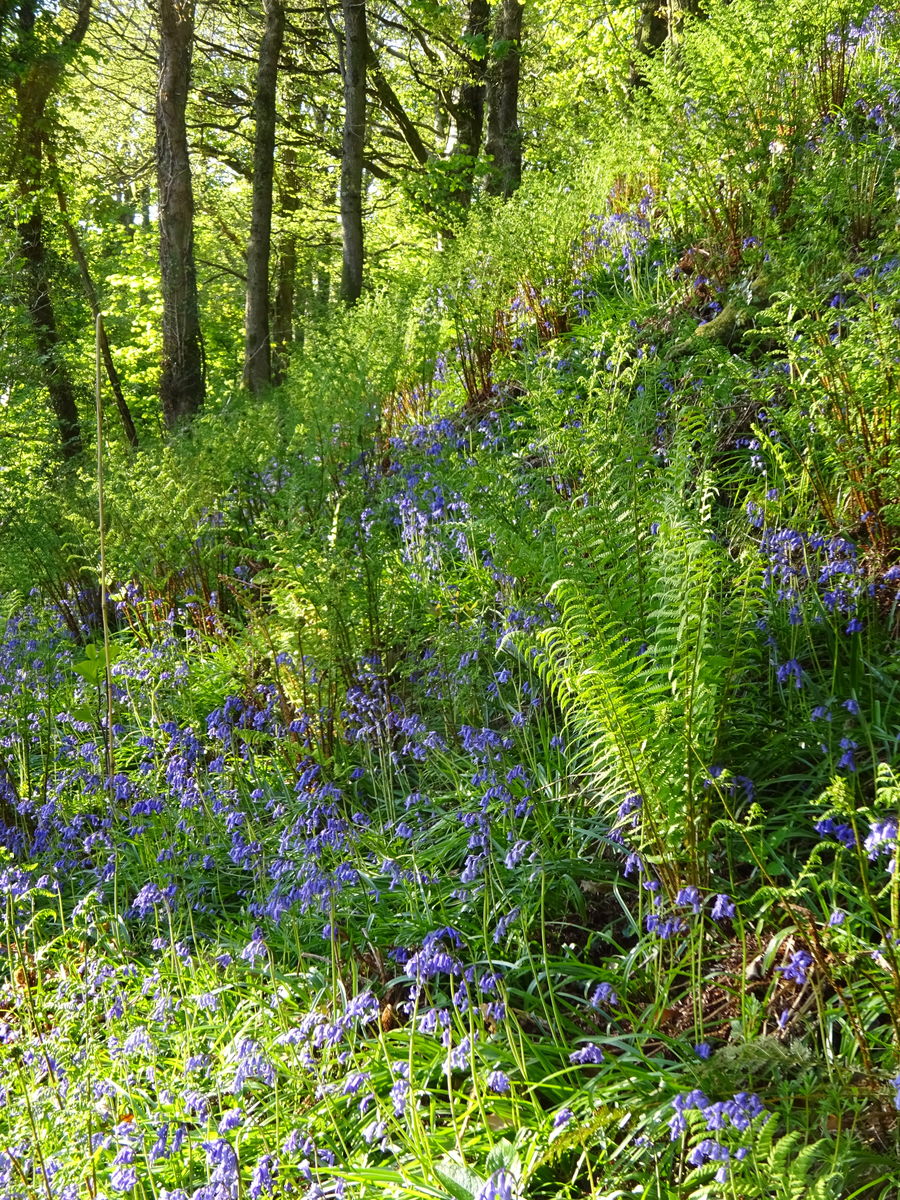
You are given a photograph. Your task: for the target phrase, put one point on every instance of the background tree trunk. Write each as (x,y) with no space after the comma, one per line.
(90,293)
(36,72)
(356,45)
(183,381)
(504,140)
(257,346)
(470,106)
(652,26)
(286,274)
(43,319)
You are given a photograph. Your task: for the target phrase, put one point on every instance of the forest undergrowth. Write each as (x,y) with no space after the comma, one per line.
(488,787)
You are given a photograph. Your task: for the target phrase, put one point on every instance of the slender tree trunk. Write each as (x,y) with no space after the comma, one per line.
(286,276)
(392,105)
(323,288)
(356,45)
(257,345)
(90,292)
(183,382)
(283,308)
(36,74)
(43,319)
(470,106)
(504,139)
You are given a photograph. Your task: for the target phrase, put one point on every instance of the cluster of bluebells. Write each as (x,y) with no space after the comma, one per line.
(614,242)
(800,566)
(666,919)
(436,969)
(879,842)
(688,905)
(433,518)
(735,1116)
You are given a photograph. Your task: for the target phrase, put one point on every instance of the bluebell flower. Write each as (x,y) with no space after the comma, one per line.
(629,805)
(138,1042)
(264,1177)
(159,1149)
(633,863)
(354,1082)
(123,1178)
(847,762)
(147,899)
(827,827)
(709,1150)
(400,1096)
(882,836)
(502,927)
(723,908)
(500,1186)
(252,1064)
(224,1161)
(231,1119)
(796,970)
(663,927)
(516,853)
(374,1132)
(790,670)
(498,1082)
(587,1054)
(603,994)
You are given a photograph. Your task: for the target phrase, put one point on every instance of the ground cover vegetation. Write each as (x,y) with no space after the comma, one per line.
(461,763)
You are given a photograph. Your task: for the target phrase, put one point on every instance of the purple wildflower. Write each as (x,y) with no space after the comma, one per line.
(801,961)
(589,1053)
(723,908)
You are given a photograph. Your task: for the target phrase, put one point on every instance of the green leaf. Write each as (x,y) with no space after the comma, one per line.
(459,1181)
(504,1157)
(92,666)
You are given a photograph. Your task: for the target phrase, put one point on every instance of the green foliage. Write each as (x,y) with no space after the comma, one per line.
(504,749)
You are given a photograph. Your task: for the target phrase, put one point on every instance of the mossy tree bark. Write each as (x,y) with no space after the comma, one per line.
(36,65)
(504,137)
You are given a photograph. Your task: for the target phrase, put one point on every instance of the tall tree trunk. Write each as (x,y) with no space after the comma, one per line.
(323,289)
(283,308)
(470,106)
(90,292)
(257,345)
(36,73)
(43,319)
(286,274)
(652,26)
(504,140)
(657,22)
(356,44)
(183,382)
